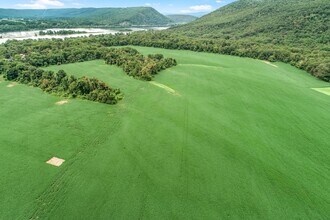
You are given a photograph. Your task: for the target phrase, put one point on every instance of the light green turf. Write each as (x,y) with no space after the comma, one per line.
(239,139)
(323,90)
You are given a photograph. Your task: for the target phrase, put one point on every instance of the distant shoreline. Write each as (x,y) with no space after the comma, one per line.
(34,34)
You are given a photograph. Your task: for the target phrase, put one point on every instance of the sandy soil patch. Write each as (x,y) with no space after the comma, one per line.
(55,161)
(168,89)
(269,63)
(325,91)
(62,102)
(11,85)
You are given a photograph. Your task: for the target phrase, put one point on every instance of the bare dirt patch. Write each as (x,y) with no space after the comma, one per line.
(269,63)
(168,89)
(62,102)
(55,161)
(11,85)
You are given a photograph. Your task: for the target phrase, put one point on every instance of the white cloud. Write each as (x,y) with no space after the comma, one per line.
(198,8)
(219,1)
(77,4)
(41,4)
(154,5)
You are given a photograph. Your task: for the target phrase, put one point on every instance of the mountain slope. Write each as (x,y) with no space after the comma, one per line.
(290,31)
(102,16)
(268,21)
(180,19)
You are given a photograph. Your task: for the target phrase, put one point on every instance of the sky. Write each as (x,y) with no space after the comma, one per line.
(166,7)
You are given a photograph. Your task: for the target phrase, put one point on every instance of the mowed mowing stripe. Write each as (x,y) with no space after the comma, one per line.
(166,88)
(325,91)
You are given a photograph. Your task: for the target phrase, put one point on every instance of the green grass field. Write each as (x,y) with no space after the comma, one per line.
(216,137)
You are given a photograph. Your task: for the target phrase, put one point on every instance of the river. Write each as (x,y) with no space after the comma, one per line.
(23,35)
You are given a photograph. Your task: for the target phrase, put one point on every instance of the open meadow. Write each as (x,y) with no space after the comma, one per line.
(214,137)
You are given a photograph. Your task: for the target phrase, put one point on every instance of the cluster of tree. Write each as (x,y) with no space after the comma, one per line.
(137,65)
(60,83)
(60,32)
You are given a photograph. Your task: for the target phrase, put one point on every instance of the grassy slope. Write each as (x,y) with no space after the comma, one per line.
(231,146)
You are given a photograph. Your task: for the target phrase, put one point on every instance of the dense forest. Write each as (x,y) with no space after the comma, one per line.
(280,22)
(22,62)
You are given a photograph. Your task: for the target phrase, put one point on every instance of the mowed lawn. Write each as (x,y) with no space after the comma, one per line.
(238,139)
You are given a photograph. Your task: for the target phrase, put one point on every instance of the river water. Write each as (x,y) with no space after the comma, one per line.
(23,35)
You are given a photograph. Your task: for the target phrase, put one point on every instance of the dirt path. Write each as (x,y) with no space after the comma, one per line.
(168,89)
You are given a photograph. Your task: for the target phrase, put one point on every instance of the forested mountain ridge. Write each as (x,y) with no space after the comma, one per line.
(97,16)
(291,31)
(268,21)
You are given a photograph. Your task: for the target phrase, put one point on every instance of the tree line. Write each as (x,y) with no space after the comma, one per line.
(316,60)
(60,32)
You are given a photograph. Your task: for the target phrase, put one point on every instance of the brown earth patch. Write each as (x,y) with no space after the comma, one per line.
(11,85)
(62,102)
(55,161)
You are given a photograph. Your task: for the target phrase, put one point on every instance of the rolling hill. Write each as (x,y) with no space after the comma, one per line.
(100,16)
(181,19)
(216,137)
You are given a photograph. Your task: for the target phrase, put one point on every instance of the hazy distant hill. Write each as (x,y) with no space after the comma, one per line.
(180,19)
(269,21)
(108,16)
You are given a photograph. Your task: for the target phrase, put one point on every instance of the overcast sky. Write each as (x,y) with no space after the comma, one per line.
(168,6)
